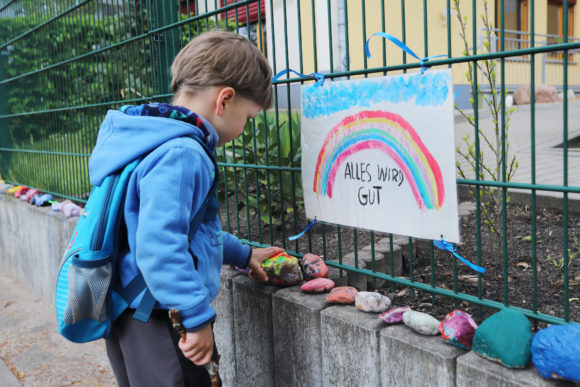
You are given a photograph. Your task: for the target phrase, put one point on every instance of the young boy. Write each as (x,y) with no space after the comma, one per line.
(220,81)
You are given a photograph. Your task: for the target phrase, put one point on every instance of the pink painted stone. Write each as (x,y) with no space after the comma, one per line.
(342,295)
(395,315)
(458,328)
(317,285)
(314,267)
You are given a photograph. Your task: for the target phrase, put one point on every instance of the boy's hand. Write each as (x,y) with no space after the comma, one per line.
(259,256)
(198,346)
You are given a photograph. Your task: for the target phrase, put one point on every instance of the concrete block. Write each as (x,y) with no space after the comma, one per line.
(334,274)
(384,266)
(466,208)
(411,359)
(475,371)
(297,346)
(364,261)
(224,326)
(350,347)
(253,332)
(403,241)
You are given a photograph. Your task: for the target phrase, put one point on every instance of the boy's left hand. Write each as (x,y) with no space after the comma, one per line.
(259,256)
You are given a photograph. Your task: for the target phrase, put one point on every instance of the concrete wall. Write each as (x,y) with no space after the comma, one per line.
(32,241)
(271,336)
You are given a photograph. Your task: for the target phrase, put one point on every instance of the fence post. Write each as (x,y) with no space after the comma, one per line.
(544,65)
(164,44)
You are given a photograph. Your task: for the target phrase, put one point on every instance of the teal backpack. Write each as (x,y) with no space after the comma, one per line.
(86,302)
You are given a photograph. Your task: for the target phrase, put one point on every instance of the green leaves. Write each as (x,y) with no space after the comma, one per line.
(271,140)
(489,168)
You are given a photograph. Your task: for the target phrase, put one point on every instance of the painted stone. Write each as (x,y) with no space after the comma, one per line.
(395,315)
(282,269)
(5,187)
(371,302)
(314,267)
(420,322)
(458,328)
(30,194)
(342,295)
(317,285)
(13,190)
(506,338)
(556,352)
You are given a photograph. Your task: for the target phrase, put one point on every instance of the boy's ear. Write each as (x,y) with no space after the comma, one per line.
(225,96)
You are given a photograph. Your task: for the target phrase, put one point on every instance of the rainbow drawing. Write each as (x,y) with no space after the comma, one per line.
(391,134)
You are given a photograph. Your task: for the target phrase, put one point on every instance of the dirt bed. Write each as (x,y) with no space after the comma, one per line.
(330,241)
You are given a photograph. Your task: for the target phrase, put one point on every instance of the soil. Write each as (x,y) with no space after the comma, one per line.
(329,241)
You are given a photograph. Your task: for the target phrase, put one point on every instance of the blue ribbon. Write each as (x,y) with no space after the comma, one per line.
(308,226)
(444,245)
(402,46)
(319,77)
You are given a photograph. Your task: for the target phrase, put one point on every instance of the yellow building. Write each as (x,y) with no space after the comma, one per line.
(329,35)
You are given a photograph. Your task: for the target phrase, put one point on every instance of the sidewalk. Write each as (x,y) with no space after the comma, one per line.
(549,158)
(32,353)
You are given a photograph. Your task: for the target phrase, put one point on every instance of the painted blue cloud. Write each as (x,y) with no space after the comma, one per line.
(429,89)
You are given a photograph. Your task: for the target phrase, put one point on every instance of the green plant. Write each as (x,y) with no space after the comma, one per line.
(491,199)
(273,139)
(559,262)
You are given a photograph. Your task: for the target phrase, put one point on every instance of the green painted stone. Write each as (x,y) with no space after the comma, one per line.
(506,338)
(283,269)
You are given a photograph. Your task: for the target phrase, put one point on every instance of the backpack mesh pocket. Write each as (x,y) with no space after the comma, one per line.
(88,287)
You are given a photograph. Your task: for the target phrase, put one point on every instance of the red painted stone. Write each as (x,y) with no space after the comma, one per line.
(314,267)
(317,285)
(458,329)
(342,295)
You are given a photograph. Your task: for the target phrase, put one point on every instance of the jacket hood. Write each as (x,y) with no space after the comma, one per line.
(123,138)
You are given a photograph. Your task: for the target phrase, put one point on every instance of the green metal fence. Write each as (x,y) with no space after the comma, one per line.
(64,63)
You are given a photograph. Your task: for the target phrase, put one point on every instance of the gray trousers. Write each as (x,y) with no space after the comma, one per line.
(147,354)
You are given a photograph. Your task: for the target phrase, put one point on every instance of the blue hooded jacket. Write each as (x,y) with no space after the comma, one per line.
(163,196)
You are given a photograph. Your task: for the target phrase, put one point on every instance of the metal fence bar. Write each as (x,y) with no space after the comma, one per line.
(565,252)
(533,162)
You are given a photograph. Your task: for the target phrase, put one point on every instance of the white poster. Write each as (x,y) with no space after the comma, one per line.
(379,154)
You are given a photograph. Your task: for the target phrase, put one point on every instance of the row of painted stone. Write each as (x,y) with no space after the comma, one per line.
(505,337)
(39,199)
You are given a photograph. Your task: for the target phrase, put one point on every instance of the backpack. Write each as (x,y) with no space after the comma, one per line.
(86,303)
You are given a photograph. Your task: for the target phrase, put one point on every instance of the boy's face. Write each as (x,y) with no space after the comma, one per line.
(236,113)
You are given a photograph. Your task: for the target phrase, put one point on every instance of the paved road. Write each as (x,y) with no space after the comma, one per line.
(32,353)
(548,136)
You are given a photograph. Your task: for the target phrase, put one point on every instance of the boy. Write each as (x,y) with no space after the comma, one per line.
(220,80)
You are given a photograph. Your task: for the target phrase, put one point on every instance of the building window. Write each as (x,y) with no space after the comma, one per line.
(555,24)
(556,18)
(515,17)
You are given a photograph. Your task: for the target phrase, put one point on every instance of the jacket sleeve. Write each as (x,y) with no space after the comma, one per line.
(171,187)
(235,252)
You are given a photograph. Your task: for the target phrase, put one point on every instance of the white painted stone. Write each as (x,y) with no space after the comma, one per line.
(421,322)
(372,302)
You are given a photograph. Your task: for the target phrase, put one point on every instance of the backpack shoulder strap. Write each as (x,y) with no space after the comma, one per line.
(136,286)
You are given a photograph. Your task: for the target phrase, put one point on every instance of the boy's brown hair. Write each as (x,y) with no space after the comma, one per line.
(222,58)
